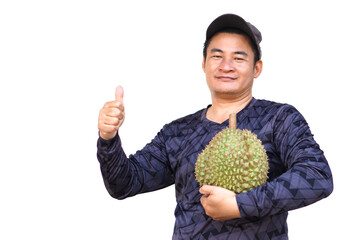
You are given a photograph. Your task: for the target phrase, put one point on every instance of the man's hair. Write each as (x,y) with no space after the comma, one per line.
(236,31)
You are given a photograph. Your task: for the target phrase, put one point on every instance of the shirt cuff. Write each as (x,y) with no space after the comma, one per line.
(107,143)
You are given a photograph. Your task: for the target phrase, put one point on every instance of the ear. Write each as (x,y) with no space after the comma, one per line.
(203,64)
(258,68)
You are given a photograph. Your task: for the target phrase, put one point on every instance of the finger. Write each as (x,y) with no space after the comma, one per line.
(115,121)
(104,128)
(114,104)
(203,200)
(113,110)
(119,94)
(206,189)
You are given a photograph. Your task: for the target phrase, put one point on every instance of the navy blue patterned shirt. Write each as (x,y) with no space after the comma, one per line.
(299,174)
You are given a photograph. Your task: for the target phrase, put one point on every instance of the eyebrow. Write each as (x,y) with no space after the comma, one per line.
(236,52)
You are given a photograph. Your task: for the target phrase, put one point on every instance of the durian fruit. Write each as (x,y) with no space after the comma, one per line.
(234,159)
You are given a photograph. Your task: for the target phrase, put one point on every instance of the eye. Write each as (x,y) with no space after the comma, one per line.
(216,56)
(238,59)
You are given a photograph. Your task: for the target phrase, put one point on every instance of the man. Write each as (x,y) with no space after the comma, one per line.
(299,173)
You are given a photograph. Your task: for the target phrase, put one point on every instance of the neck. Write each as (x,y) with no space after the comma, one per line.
(221,108)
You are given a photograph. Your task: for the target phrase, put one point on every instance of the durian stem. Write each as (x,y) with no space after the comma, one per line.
(233,120)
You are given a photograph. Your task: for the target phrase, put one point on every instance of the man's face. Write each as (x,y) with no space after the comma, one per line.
(229,66)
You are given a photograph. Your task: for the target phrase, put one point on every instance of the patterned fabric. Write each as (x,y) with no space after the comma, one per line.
(298,176)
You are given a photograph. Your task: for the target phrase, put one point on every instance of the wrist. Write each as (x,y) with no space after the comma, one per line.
(107,136)
(235,213)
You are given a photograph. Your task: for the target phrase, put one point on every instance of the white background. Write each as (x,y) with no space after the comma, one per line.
(61,60)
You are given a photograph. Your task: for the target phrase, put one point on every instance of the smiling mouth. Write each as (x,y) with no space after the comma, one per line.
(226,78)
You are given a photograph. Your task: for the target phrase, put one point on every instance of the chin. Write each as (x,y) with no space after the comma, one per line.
(227,89)
(226,92)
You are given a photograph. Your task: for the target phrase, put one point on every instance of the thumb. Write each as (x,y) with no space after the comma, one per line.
(119,94)
(206,189)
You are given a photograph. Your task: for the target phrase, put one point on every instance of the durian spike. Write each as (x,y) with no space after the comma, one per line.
(233,120)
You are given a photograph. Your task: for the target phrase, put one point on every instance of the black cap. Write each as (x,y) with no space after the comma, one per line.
(228,21)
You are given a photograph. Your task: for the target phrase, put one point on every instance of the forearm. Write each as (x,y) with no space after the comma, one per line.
(304,174)
(116,169)
(145,171)
(303,184)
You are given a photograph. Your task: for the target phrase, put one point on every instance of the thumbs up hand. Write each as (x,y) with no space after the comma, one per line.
(112,116)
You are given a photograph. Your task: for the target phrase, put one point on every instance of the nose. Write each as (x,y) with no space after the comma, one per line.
(226,65)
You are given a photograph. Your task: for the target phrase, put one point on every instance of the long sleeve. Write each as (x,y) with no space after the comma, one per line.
(299,173)
(147,170)
(306,177)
